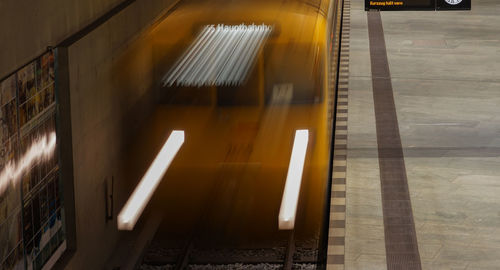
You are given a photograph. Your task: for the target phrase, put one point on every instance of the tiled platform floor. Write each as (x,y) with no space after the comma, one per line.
(445,72)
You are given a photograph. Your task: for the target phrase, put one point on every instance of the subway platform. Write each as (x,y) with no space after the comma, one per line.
(417,142)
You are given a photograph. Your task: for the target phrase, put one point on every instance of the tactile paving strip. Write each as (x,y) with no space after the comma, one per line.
(399,228)
(336,233)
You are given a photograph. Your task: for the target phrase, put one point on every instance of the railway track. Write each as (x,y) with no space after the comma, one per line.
(283,257)
(191,254)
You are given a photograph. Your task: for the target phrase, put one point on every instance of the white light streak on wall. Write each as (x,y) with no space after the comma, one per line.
(144,191)
(41,149)
(288,210)
(221,55)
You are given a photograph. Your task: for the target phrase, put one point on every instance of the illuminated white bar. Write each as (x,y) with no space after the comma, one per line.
(288,209)
(144,191)
(220,55)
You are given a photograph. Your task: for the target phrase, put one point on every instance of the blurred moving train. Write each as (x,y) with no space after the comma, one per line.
(224,188)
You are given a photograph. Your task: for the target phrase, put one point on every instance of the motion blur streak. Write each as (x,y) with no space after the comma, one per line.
(286,220)
(42,148)
(149,182)
(221,55)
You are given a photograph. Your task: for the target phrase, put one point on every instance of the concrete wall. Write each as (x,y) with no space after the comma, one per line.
(28,27)
(111,90)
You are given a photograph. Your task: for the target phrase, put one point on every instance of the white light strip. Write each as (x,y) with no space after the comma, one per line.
(40,149)
(144,191)
(220,55)
(288,210)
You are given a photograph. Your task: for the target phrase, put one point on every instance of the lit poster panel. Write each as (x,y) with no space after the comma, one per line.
(400,4)
(11,241)
(31,211)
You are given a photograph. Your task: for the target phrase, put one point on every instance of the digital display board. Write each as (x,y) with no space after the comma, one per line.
(418,4)
(400,4)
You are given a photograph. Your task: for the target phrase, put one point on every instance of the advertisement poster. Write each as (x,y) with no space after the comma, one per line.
(11,252)
(31,213)
(8,111)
